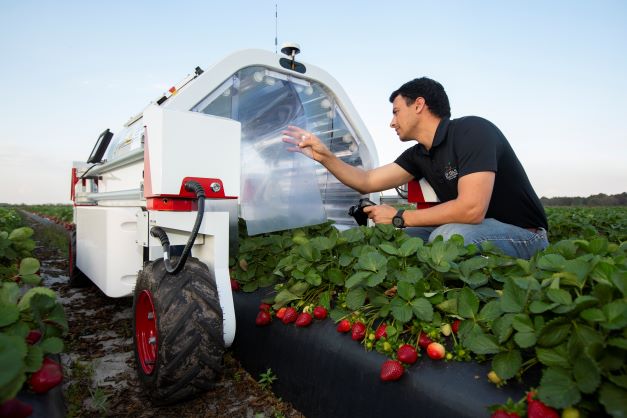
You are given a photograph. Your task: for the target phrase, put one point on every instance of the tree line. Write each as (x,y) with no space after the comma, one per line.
(600,199)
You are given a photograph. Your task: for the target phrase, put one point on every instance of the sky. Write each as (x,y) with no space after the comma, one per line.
(552,75)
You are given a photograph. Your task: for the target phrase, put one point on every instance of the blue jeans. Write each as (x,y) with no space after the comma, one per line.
(513,240)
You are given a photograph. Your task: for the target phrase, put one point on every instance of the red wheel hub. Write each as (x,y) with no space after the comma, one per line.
(146,331)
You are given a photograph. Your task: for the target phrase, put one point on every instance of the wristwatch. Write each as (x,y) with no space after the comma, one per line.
(398,220)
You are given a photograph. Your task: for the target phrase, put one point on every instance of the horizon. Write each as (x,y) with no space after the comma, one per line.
(550,76)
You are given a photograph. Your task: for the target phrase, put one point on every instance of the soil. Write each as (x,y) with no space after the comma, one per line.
(99,365)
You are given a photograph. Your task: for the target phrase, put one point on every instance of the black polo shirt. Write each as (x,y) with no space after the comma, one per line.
(469,145)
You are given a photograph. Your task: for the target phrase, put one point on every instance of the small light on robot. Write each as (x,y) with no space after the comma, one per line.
(215,187)
(325,103)
(347,139)
(172,90)
(258,76)
(309,91)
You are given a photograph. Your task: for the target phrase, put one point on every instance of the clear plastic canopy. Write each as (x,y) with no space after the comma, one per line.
(281,189)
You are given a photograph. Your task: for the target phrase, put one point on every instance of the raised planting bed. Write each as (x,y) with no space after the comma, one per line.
(326,374)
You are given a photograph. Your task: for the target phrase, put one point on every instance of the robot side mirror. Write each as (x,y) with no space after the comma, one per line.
(357,211)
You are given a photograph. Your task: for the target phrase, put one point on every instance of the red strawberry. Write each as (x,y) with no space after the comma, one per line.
(234,285)
(391,370)
(500,413)
(264,307)
(33,336)
(263,318)
(320,312)
(47,377)
(344,326)
(359,331)
(380,332)
(303,320)
(407,354)
(14,408)
(436,351)
(290,315)
(424,340)
(537,409)
(455,326)
(281,312)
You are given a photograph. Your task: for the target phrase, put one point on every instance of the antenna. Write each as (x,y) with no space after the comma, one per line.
(276,27)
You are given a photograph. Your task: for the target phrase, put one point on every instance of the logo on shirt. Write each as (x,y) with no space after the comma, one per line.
(450,173)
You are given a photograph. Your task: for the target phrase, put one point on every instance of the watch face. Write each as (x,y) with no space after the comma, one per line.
(397,221)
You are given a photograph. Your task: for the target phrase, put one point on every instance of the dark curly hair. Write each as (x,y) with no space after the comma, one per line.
(430,90)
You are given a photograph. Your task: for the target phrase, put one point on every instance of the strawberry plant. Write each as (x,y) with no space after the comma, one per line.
(32,321)
(563,312)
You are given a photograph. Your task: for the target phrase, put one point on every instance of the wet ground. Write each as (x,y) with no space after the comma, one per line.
(100,378)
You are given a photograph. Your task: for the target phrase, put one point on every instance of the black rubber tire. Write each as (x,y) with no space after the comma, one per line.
(76,277)
(190,347)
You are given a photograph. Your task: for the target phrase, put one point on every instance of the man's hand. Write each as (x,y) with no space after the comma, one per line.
(380,214)
(306,143)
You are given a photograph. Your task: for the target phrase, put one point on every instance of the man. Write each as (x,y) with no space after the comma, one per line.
(485,191)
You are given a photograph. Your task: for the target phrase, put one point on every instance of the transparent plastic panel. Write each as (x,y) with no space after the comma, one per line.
(280,189)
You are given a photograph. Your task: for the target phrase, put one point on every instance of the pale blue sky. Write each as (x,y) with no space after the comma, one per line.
(552,75)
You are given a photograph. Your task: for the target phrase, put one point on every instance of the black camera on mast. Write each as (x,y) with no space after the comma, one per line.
(357,211)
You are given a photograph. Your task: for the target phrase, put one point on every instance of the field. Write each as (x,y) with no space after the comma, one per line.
(563,312)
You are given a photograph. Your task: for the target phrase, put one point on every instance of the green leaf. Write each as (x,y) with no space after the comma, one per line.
(52,345)
(299,288)
(557,388)
(322,243)
(9,293)
(371,261)
(34,359)
(613,399)
(467,303)
(376,279)
(410,247)
(388,249)
(513,298)
(490,311)
(559,296)
(357,279)
(355,298)
(528,282)
(554,332)
(20,234)
(593,315)
(619,380)
(422,309)
(411,275)
(507,364)
(8,314)
(618,342)
(467,267)
(619,279)
(525,339)
(402,313)
(335,276)
(31,279)
(352,235)
(553,357)
(24,303)
(406,291)
(313,278)
(616,314)
(538,307)
(480,343)
(448,306)
(522,323)
(551,262)
(12,353)
(283,297)
(29,265)
(345,260)
(587,374)
(502,327)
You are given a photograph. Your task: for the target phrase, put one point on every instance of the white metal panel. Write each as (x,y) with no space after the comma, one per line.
(183,144)
(106,248)
(215,253)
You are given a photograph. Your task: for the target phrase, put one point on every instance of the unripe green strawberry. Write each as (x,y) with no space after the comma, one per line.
(494,378)
(436,351)
(358,331)
(570,412)
(445,329)
(387,346)
(407,354)
(391,370)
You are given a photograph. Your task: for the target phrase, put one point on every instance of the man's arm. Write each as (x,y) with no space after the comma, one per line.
(470,206)
(375,180)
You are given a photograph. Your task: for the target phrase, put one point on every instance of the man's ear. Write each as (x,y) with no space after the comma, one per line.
(420,104)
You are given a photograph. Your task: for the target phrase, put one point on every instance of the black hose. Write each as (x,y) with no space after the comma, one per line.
(158,232)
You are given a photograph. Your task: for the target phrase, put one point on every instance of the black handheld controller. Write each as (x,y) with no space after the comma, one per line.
(357,211)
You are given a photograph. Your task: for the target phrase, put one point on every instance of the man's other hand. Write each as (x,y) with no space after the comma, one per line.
(306,143)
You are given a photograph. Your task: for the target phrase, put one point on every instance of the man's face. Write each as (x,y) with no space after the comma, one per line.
(404,119)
